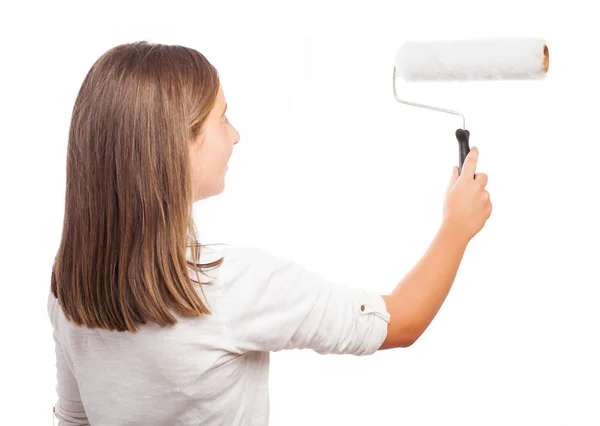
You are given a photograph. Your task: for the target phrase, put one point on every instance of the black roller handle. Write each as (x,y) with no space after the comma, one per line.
(463,147)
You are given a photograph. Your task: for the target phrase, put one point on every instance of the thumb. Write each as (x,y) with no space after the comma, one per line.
(453,178)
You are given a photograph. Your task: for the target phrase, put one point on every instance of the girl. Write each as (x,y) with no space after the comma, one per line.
(138,340)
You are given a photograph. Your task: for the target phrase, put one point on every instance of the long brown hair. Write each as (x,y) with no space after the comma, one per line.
(122,259)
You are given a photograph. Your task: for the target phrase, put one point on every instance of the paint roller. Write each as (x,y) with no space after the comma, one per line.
(467,60)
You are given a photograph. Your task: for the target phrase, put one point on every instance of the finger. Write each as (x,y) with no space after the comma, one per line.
(470,164)
(486,196)
(454,177)
(482,179)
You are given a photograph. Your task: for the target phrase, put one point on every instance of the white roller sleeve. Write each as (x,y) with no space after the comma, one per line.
(491,59)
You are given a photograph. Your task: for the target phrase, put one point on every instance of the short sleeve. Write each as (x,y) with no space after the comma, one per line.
(275,304)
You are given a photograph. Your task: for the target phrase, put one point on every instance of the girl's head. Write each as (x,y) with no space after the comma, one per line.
(148,138)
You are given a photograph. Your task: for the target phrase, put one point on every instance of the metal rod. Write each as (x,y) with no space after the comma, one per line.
(425,106)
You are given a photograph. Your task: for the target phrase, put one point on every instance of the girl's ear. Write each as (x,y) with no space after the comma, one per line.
(199,140)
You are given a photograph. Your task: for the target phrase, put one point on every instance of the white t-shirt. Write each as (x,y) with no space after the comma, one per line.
(212,370)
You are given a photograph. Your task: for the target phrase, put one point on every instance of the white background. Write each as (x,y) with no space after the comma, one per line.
(333,173)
